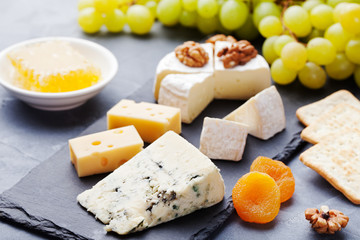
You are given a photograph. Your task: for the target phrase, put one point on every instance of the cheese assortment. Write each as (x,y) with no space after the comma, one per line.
(263,114)
(242,81)
(171,65)
(191,93)
(150,120)
(222,139)
(169,179)
(105,151)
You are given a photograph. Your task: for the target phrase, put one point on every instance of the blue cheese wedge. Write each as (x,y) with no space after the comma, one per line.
(264,114)
(169,179)
(171,65)
(189,92)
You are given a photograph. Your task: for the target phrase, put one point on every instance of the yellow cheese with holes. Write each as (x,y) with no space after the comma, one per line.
(150,120)
(104,151)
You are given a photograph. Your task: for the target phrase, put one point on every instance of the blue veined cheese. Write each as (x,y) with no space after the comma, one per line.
(171,65)
(242,81)
(189,92)
(169,179)
(264,114)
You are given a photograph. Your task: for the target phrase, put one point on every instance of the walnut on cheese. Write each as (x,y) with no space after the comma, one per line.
(238,53)
(326,221)
(221,37)
(192,54)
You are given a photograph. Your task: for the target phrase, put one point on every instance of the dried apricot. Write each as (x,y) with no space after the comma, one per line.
(279,172)
(256,197)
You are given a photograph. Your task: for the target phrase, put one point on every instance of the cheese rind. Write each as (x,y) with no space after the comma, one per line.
(264,114)
(171,65)
(104,151)
(222,139)
(240,82)
(189,92)
(169,179)
(150,120)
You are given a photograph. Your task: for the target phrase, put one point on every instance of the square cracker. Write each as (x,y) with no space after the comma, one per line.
(337,159)
(308,113)
(342,117)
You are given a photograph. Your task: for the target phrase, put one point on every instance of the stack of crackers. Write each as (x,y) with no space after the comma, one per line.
(333,125)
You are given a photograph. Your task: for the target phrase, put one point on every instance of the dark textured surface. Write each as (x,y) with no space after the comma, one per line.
(45,199)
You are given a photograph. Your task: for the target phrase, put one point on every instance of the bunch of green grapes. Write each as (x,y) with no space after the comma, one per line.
(114,14)
(312,40)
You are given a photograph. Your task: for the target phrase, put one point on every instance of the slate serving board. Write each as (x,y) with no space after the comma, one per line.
(45,199)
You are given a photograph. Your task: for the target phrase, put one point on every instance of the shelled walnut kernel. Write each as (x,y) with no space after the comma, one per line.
(238,53)
(191,54)
(326,221)
(221,37)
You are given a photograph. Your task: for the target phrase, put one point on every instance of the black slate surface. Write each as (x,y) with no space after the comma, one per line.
(46,198)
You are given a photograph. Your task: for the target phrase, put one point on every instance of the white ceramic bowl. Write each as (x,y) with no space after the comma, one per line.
(97,54)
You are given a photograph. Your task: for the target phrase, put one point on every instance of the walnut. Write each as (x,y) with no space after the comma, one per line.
(191,54)
(239,53)
(326,221)
(221,37)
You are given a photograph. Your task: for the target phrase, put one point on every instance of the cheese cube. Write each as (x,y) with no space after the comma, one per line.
(169,179)
(104,151)
(240,82)
(150,120)
(263,114)
(171,65)
(222,139)
(189,92)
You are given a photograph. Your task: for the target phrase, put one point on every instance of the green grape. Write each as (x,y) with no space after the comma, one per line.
(115,20)
(280,42)
(312,76)
(270,26)
(207,8)
(139,19)
(189,5)
(90,20)
(268,50)
(85,4)
(188,19)
(321,51)
(350,18)
(207,25)
(357,75)
(341,68)
(352,50)
(168,12)
(321,16)
(337,36)
(309,5)
(294,56)
(152,5)
(339,9)
(334,3)
(104,6)
(233,14)
(220,28)
(314,34)
(248,30)
(281,74)
(264,9)
(124,5)
(297,20)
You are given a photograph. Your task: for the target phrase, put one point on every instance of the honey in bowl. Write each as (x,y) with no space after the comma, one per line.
(52,66)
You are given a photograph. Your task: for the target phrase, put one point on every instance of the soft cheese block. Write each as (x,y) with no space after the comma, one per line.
(263,114)
(171,65)
(189,92)
(240,82)
(169,179)
(223,139)
(151,120)
(104,151)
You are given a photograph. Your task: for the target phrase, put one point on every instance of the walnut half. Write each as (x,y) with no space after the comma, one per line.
(221,37)
(239,53)
(326,221)
(191,54)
